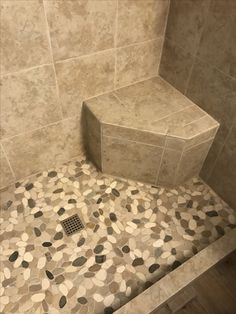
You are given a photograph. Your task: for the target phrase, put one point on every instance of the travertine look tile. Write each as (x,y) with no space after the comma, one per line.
(80,27)
(140,20)
(209,88)
(218,44)
(226,161)
(125,159)
(37,150)
(137,62)
(24,42)
(92,136)
(6,176)
(84,77)
(192,161)
(133,134)
(186,20)
(175,65)
(28,101)
(169,166)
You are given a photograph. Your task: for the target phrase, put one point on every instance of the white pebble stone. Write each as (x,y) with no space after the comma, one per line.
(57,256)
(128,291)
(231,219)
(28,257)
(7,273)
(163,209)
(138,253)
(111,239)
(97,297)
(146,254)
(26,274)
(129,230)
(164,224)
(101,275)
(192,224)
(97,282)
(115,227)
(38,297)
(148,213)
(81,291)
(131,224)
(123,286)
(165,254)
(41,262)
(45,284)
(120,269)
(109,299)
(158,243)
(24,237)
(63,289)
(4,300)
(149,225)
(132,243)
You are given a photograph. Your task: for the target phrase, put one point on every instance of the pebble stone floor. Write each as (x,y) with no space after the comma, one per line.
(134,234)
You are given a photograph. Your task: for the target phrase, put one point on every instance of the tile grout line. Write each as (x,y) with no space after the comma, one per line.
(164,36)
(115,43)
(220,151)
(162,157)
(8,161)
(53,63)
(197,48)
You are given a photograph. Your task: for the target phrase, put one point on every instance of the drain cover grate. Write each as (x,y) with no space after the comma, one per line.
(72,224)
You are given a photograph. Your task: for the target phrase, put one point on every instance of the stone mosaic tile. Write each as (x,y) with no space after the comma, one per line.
(134,234)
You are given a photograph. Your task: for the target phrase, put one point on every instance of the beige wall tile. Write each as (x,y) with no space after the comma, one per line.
(43,148)
(83,78)
(192,161)
(24,42)
(130,159)
(92,136)
(6,176)
(227,162)
(80,27)
(28,101)
(169,166)
(186,20)
(137,62)
(140,20)
(175,65)
(218,44)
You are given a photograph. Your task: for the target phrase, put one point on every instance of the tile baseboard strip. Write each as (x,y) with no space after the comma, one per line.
(172,283)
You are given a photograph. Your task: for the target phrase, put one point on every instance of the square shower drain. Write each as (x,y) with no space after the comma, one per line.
(72,224)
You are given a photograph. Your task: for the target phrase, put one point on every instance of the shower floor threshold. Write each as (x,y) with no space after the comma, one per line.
(134,235)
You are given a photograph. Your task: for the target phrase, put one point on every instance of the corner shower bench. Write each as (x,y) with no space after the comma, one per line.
(148,132)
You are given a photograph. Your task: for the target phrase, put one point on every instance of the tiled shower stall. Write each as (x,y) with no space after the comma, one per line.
(110,109)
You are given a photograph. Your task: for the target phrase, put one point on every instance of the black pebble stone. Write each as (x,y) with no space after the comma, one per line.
(98,249)
(137,262)
(175,264)
(38,214)
(37,232)
(126,249)
(61,211)
(79,261)
(100,259)
(212,213)
(49,275)
(58,236)
(47,244)
(62,302)
(113,217)
(25,264)
(31,203)
(115,192)
(52,174)
(81,242)
(13,257)
(82,300)
(167,238)
(29,186)
(108,310)
(153,268)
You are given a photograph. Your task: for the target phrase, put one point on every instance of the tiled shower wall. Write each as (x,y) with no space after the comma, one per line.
(54,55)
(199,59)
